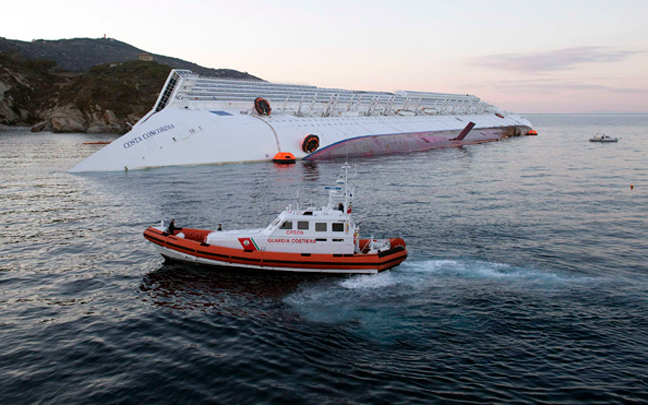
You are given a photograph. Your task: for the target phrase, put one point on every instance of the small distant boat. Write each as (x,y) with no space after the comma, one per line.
(603,138)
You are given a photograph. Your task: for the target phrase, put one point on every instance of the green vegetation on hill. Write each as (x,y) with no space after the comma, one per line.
(83,84)
(124,88)
(104,99)
(81,54)
(27,85)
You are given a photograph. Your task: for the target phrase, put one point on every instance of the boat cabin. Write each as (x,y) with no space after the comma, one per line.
(312,231)
(307,231)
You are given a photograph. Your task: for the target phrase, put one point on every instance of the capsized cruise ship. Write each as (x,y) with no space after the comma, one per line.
(200,120)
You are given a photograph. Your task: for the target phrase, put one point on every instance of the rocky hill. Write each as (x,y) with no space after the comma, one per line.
(62,93)
(81,54)
(23,85)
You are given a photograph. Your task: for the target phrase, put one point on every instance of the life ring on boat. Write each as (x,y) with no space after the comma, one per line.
(310,144)
(262,106)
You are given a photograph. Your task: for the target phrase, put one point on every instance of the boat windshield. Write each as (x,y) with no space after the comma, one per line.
(275,222)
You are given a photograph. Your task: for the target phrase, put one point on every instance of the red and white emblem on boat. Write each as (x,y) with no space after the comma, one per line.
(248,244)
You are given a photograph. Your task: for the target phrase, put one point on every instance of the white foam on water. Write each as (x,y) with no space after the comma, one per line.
(476,269)
(370,281)
(427,265)
(379,301)
(410,274)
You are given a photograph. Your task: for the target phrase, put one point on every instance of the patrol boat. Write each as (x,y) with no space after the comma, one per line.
(300,239)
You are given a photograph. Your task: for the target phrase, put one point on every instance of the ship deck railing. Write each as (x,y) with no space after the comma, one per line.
(303,100)
(323,106)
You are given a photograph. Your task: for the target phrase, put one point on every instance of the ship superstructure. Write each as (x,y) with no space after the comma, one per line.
(201,120)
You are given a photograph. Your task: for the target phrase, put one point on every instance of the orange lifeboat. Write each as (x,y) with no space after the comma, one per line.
(285,158)
(532,132)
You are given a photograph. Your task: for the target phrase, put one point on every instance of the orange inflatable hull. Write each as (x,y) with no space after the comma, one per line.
(192,248)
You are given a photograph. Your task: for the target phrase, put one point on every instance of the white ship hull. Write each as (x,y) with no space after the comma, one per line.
(208,130)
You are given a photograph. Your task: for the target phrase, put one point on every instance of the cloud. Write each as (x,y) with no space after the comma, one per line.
(547,85)
(560,59)
(631,91)
(550,86)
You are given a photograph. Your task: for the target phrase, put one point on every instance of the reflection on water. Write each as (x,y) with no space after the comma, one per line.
(235,292)
(310,171)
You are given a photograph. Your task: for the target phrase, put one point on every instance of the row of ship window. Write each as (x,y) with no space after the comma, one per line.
(366,122)
(319,226)
(337,121)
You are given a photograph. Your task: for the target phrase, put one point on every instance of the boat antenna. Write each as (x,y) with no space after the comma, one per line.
(297,199)
(346,168)
(347,201)
(354,166)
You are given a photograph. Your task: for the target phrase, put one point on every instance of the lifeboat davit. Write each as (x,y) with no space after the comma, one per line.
(306,239)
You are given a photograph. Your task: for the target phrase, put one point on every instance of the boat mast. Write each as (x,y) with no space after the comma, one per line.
(346,168)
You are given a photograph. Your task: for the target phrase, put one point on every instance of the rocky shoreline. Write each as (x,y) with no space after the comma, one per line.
(70,119)
(107,99)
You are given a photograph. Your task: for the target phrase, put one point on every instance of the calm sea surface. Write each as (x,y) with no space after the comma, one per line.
(527,279)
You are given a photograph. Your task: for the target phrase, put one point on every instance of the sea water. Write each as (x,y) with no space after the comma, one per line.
(526,282)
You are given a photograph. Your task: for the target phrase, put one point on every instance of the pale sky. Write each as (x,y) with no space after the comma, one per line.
(525,56)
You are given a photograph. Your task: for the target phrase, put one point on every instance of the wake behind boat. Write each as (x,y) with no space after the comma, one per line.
(307,239)
(198,120)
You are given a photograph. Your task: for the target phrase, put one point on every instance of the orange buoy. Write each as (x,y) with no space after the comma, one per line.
(262,106)
(532,132)
(284,158)
(631,187)
(310,144)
